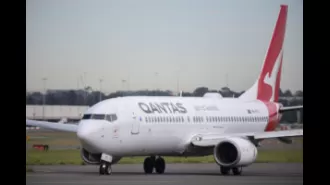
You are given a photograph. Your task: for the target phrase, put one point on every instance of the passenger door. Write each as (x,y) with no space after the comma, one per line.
(135,125)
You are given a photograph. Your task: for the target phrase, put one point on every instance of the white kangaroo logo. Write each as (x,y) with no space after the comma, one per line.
(270,78)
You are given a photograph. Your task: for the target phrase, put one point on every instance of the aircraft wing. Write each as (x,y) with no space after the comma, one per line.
(53,125)
(208,140)
(290,108)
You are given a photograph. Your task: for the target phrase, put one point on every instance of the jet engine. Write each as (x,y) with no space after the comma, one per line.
(94,159)
(234,152)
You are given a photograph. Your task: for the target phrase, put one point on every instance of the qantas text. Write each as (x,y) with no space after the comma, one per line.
(162,108)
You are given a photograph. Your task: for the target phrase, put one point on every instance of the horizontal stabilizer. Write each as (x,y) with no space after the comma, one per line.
(291,108)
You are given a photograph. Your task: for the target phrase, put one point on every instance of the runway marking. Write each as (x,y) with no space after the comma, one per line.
(110,181)
(178,174)
(101,182)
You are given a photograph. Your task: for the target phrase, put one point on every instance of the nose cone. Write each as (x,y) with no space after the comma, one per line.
(89,134)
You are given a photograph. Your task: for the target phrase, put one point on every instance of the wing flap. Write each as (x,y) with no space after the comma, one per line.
(206,140)
(53,125)
(213,139)
(279,134)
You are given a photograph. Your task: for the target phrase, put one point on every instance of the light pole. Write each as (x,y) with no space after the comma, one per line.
(177,82)
(128,83)
(101,80)
(44,98)
(156,78)
(123,81)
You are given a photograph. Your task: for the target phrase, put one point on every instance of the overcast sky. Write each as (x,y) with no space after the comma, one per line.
(153,43)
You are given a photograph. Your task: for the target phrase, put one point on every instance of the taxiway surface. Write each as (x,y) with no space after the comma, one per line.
(175,174)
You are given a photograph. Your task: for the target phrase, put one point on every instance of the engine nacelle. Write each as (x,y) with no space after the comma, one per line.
(232,152)
(94,159)
(90,158)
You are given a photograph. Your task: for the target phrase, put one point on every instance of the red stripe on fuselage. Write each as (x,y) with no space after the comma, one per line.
(272,116)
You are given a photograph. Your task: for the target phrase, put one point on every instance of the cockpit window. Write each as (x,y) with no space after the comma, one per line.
(98,116)
(111,117)
(108,117)
(87,116)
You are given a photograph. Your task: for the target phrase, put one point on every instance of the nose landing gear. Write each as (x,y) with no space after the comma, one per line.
(105,166)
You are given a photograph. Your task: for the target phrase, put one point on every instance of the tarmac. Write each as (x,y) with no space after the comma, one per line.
(175,174)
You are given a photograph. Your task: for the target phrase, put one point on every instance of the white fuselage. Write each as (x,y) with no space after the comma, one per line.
(165,125)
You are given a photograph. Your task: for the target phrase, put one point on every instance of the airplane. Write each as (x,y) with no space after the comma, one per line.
(230,129)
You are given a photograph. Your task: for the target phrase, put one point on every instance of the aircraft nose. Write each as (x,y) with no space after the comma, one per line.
(87,131)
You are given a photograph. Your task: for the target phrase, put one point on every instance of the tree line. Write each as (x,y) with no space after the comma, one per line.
(89,97)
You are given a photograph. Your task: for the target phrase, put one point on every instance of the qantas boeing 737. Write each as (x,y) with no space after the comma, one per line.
(230,129)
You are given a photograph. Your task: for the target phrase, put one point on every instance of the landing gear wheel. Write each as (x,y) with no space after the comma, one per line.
(237,170)
(102,169)
(160,165)
(224,170)
(148,165)
(105,169)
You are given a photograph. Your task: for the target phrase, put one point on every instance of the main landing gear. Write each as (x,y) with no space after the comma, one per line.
(152,162)
(226,170)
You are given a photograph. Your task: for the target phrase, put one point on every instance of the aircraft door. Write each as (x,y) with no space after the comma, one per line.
(135,124)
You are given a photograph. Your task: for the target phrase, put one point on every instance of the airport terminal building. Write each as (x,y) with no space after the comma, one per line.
(55,112)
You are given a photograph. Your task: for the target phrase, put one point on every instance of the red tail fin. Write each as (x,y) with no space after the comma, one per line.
(267,86)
